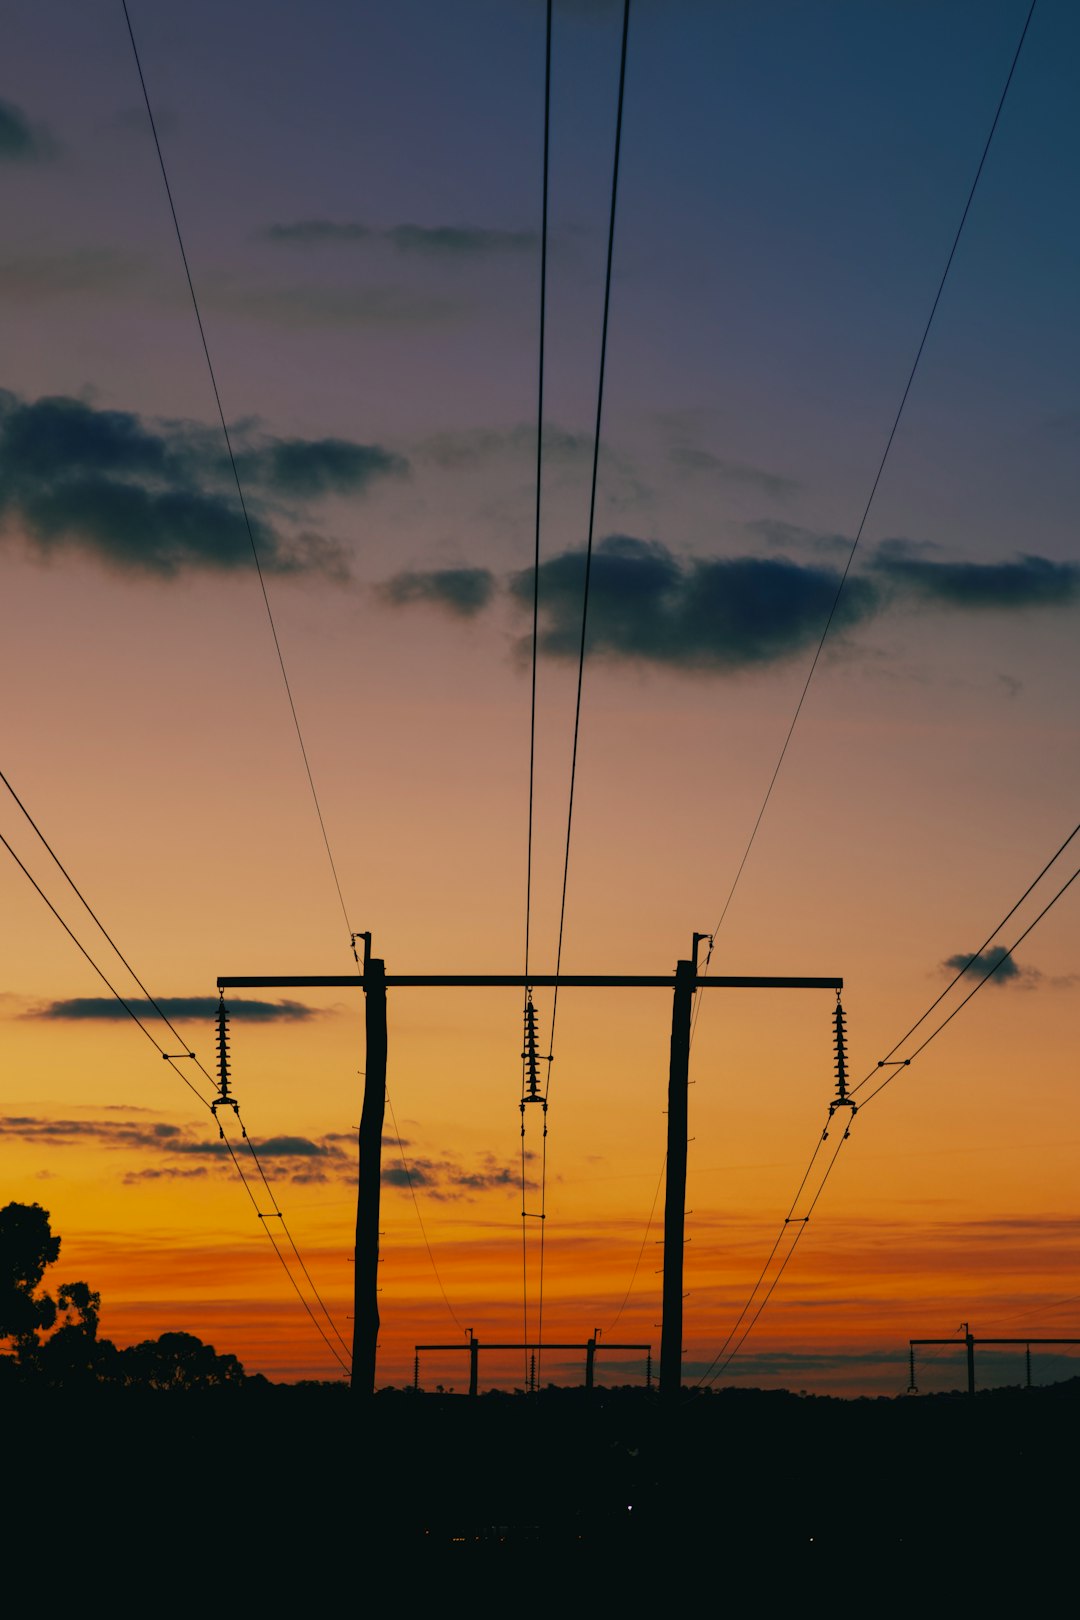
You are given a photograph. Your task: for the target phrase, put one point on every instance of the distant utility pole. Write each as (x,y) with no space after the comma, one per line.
(375,981)
(969,1341)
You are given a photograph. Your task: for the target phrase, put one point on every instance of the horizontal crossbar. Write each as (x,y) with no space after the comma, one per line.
(509,981)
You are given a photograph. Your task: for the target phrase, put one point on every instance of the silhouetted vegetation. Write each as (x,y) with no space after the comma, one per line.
(54,1344)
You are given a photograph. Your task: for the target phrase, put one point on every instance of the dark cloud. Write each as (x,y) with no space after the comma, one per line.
(396,1175)
(318,230)
(1025,582)
(314,467)
(108,1008)
(463,591)
(171,1149)
(21,141)
(448,1180)
(107,1133)
(288,1147)
(793,537)
(459,241)
(132,1178)
(692,460)
(647,605)
(155,499)
(995,961)
(272,1147)
(441,241)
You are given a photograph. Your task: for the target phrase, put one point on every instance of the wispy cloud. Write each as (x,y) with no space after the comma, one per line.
(172,1147)
(792,537)
(467,446)
(38,278)
(689,459)
(449,1179)
(108,1009)
(22,141)
(106,1133)
(434,241)
(1025,581)
(164,1150)
(154,499)
(462,591)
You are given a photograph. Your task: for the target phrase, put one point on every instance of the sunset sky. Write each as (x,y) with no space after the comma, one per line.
(359,190)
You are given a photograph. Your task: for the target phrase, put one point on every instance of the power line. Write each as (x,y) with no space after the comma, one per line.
(987,976)
(133,1015)
(880,470)
(284,1227)
(128,1008)
(994,968)
(641,1251)
(800,1223)
(592,500)
(419,1217)
(89,908)
(584,615)
(345,1366)
(236,478)
(539,483)
(535,654)
(974,957)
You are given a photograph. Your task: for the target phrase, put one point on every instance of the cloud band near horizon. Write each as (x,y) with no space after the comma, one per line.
(155,498)
(720,615)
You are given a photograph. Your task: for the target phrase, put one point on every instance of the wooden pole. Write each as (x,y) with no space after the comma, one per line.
(366,1276)
(675,1195)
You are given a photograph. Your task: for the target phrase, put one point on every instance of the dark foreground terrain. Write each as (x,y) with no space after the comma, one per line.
(309,1495)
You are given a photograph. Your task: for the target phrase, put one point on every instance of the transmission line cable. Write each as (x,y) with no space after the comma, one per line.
(974,957)
(880,470)
(128,1008)
(641,1252)
(236,479)
(987,976)
(539,485)
(535,655)
(585,606)
(419,1216)
(278,1215)
(800,1222)
(345,1366)
(101,926)
(984,979)
(134,1016)
(592,504)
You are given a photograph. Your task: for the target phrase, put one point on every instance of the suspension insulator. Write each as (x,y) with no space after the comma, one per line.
(840,1036)
(531,1056)
(224,1096)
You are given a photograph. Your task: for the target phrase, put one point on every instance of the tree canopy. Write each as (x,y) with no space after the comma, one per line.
(27,1246)
(55,1343)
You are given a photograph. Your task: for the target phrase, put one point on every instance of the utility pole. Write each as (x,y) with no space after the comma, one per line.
(366,1259)
(969,1342)
(375,981)
(675,1191)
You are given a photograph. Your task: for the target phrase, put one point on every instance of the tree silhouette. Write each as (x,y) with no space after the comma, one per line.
(179,1361)
(27,1246)
(72,1355)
